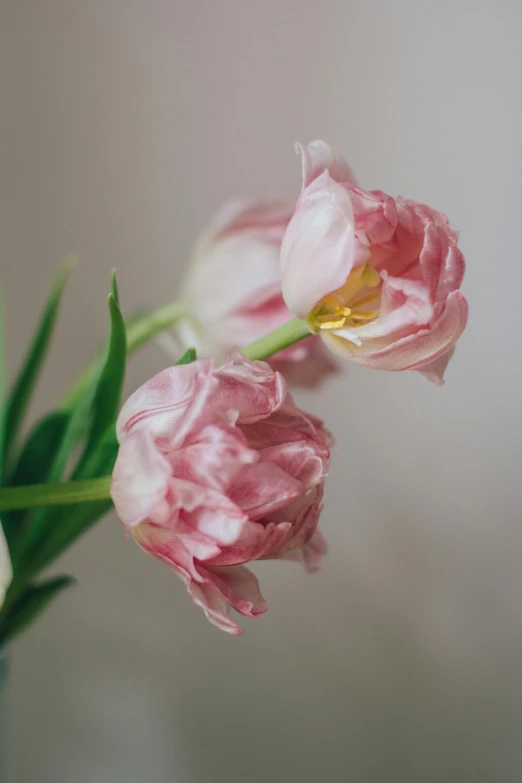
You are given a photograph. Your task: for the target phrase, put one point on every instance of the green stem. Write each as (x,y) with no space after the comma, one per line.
(92,490)
(273,342)
(63,494)
(139,331)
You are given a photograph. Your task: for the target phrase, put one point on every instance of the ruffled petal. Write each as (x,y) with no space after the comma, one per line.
(169,404)
(140,480)
(426,345)
(251,389)
(213,458)
(238,586)
(305,460)
(405,308)
(262,488)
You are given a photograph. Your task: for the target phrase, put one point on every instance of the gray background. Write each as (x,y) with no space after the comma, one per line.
(124,124)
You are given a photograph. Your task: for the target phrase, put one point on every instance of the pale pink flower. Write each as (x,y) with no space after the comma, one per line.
(232,289)
(377,277)
(6,571)
(218,467)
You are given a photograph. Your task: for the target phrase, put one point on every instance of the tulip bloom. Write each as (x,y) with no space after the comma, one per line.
(377,277)
(6,571)
(232,289)
(218,467)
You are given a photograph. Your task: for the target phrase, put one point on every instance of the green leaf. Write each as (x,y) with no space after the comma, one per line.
(99,403)
(29,604)
(68,524)
(39,520)
(188,357)
(3,384)
(27,377)
(33,467)
(100,400)
(107,398)
(40,446)
(114,287)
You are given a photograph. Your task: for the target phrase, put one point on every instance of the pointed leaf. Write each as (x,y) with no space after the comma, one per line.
(107,398)
(25,382)
(114,287)
(99,403)
(40,446)
(188,357)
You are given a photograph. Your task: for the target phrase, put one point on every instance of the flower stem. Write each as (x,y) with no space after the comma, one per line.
(139,331)
(275,341)
(63,494)
(143,328)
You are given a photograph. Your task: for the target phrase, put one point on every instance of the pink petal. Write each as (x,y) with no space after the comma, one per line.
(454,268)
(235,261)
(252,318)
(222,523)
(302,517)
(214,457)
(6,570)
(422,348)
(287,424)
(305,460)
(240,271)
(140,480)
(310,554)
(251,389)
(318,157)
(317,252)
(256,541)
(375,215)
(214,606)
(238,586)
(160,543)
(265,218)
(216,590)
(405,308)
(170,403)
(262,488)
(434,371)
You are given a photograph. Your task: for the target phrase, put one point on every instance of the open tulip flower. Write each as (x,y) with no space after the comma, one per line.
(218,467)
(377,277)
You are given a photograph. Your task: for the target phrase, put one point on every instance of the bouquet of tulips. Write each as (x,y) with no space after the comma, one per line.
(211,464)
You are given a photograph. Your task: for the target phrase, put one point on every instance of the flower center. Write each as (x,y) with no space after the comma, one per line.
(342,308)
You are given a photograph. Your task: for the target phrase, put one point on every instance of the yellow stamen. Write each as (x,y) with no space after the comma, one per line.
(366,299)
(338,309)
(369,316)
(334,324)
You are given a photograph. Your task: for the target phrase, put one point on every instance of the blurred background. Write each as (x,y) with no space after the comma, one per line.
(124,124)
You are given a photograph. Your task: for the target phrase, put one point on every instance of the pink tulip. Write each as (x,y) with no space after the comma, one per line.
(218,467)
(232,289)
(377,277)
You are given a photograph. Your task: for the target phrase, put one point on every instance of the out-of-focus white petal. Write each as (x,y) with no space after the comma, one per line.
(6,571)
